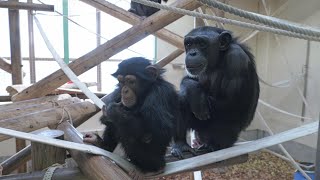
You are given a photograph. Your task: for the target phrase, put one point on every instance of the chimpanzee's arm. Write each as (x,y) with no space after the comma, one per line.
(110,140)
(196,97)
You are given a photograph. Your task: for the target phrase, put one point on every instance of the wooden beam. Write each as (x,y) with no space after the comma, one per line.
(107,50)
(5,66)
(28,6)
(16,64)
(16,160)
(32,102)
(59,174)
(25,110)
(133,19)
(170,58)
(79,113)
(93,167)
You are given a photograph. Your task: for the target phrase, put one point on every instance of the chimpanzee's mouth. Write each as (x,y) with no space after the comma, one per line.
(194,66)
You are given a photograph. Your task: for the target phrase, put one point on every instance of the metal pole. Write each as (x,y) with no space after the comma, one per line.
(98,29)
(65,31)
(317,173)
(31,46)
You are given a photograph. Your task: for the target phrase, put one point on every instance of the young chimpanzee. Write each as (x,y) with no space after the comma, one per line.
(143,10)
(139,114)
(219,96)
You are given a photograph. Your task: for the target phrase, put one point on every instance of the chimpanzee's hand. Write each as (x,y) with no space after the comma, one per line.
(92,138)
(114,110)
(200,105)
(179,147)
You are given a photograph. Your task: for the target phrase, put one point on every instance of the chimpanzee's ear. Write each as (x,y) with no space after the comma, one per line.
(225,39)
(153,71)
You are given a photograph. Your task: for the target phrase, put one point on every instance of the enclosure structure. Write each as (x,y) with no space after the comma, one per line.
(58,110)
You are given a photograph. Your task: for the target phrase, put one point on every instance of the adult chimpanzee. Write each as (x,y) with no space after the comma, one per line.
(140,114)
(143,10)
(220,93)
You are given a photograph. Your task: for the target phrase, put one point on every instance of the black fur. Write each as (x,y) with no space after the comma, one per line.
(220,101)
(142,10)
(146,130)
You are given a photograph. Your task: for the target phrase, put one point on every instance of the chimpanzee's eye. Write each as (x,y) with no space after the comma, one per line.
(202,44)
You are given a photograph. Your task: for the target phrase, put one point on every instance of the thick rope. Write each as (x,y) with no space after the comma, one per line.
(227,21)
(267,20)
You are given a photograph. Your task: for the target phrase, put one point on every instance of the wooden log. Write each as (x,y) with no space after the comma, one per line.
(16,160)
(5,98)
(105,51)
(93,167)
(16,62)
(23,111)
(132,19)
(170,58)
(28,6)
(33,102)
(59,174)
(44,155)
(5,66)
(79,112)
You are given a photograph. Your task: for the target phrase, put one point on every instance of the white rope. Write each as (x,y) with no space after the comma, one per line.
(293,162)
(227,21)
(267,20)
(282,111)
(65,68)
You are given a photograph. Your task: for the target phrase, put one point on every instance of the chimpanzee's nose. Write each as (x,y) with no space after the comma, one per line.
(192,53)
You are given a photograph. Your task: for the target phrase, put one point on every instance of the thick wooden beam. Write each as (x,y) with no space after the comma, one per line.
(59,174)
(5,66)
(23,111)
(33,102)
(79,112)
(133,19)
(107,50)
(16,160)
(28,6)
(93,167)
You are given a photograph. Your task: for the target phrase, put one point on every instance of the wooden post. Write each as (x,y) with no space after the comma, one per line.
(16,66)
(20,158)
(94,167)
(107,50)
(44,155)
(14,4)
(5,66)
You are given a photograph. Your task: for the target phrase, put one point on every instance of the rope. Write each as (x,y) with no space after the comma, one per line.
(267,20)
(62,116)
(227,21)
(50,171)
(293,162)
(65,68)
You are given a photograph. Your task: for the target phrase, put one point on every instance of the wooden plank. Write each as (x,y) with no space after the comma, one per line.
(191,164)
(16,160)
(5,66)
(105,51)
(32,102)
(59,174)
(95,167)
(79,112)
(12,4)
(133,19)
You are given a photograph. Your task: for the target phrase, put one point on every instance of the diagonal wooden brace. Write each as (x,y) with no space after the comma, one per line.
(117,44)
